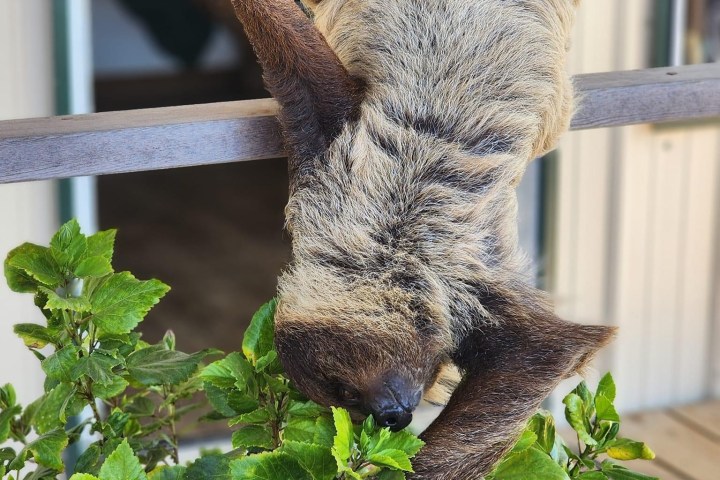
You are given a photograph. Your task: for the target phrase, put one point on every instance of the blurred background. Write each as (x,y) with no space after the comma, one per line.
(623,223)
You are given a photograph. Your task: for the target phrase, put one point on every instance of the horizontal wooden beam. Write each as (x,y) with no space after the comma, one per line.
(158,138)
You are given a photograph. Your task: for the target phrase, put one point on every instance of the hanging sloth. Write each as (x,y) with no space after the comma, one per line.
(408,125)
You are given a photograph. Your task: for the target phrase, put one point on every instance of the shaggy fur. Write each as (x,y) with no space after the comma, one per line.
(403,218)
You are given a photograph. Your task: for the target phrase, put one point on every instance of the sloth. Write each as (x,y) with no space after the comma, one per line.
(408,125)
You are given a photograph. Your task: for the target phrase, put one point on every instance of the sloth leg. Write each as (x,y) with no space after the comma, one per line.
(509,371)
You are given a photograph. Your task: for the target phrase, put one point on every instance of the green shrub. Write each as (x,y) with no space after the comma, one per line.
(93,357)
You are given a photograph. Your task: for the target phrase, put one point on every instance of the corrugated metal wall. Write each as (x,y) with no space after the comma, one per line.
(635,228)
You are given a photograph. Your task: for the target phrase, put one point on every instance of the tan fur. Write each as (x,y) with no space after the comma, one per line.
(405,249)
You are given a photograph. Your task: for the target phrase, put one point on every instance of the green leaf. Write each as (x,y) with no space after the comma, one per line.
(319,431)
(115,387)
(165,472)
(307,409)
(626,449)
(56,302)
(592,476)
(121,301)
(89,461)
(268,361)
(101,244)
(605,410)
(83,476)
(316,459)
(50,413)
(260,416)
(253,436)
(391,475)
(140,407)
(394,459)
(97,266)
(543,425)
(6,417)
(219,374)
(209,467)
(587,396)
(517,467)
(606,387)
(29,265)
(617,472)
(33,335)
(97,366)
(68,245)
(258,339)
(59,365)
(526,440)
(47,449)
(403,441)
(343,441)
(157,366)
(122,464)
(575,414)
(268,466)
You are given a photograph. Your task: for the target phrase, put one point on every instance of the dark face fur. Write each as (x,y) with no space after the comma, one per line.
(366,371)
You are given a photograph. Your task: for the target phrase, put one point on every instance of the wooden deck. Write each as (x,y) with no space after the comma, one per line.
(685,439)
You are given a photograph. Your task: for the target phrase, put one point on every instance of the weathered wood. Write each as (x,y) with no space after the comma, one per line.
(153,139)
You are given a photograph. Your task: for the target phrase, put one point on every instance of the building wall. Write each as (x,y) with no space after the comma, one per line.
(27,210)
(636,228)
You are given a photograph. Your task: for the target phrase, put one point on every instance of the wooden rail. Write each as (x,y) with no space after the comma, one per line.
(153,139)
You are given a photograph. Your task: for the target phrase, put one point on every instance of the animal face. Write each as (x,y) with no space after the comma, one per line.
(361,355)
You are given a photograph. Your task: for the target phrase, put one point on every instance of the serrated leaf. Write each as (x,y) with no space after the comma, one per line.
(389,458)
(605,410)
(83,476)
(316,459)
(157,366)
(59,366)
(140,407)
(96,366)
(89,460)
(101,244)
(29,265)
(575,415)
(543,425)
(122,464)
(56,302)
(526,440)
(68,245)
(33,335)
(606,387)
(96,266)
(319,431)
(6,416)
(176,472)
(617,472)
(253,436)
(209,467)
(343,441)
(592,476)
(219,374)
(115,387)
(268,360)
(121,301)
(260,416)
(403,441)
(50,410)
(268,466)
(626,449)
(517,466)
(307,409)
(587,397)
(258,339)
(47,449)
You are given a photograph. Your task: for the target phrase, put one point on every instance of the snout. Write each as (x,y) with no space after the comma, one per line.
(393,401)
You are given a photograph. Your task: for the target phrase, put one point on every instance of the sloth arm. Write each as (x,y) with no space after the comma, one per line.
(509,369)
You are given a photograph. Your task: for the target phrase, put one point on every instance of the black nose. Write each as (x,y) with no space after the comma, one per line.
(394,418)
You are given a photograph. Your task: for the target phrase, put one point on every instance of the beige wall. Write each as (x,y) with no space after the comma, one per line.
(27,211)
(636,228)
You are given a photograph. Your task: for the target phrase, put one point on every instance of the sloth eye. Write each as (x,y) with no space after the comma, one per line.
(348,395)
